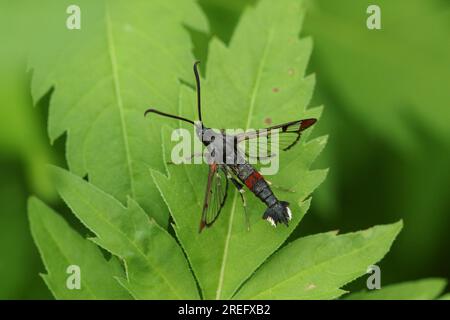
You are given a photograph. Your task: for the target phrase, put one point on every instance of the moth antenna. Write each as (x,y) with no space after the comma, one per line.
(197,81)
(167,115)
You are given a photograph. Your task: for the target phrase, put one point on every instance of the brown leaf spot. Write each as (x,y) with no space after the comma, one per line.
(268,121)
(275,90)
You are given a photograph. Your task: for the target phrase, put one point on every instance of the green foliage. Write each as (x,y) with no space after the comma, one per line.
(380,70)
(22,135)
(19,261)
(24,152)
(425,289)
(386,93)
(103,80)
(315,267)
(148,251)
(323,263)
(261,58)
(124,59)
(60,247)
(223,15)
(318,264)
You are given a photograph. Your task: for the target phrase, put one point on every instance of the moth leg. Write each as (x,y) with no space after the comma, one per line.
(188,158)
(279,187)
(241,190)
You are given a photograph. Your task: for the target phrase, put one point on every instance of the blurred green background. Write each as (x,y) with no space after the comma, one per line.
(387,111)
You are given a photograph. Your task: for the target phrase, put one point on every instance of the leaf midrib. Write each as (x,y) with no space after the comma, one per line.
(253,96)
(226,247)
(118,95)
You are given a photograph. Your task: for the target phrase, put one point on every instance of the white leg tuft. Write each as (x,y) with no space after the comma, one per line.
(289,213)
(271,221)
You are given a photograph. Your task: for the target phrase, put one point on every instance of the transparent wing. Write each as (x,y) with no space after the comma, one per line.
(264,143)
(215,195)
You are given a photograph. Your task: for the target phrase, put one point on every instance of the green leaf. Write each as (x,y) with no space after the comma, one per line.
(315,267)
(257,79)
(60,247)
(124,59)
(425,289)
(155,264)
(223,15)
